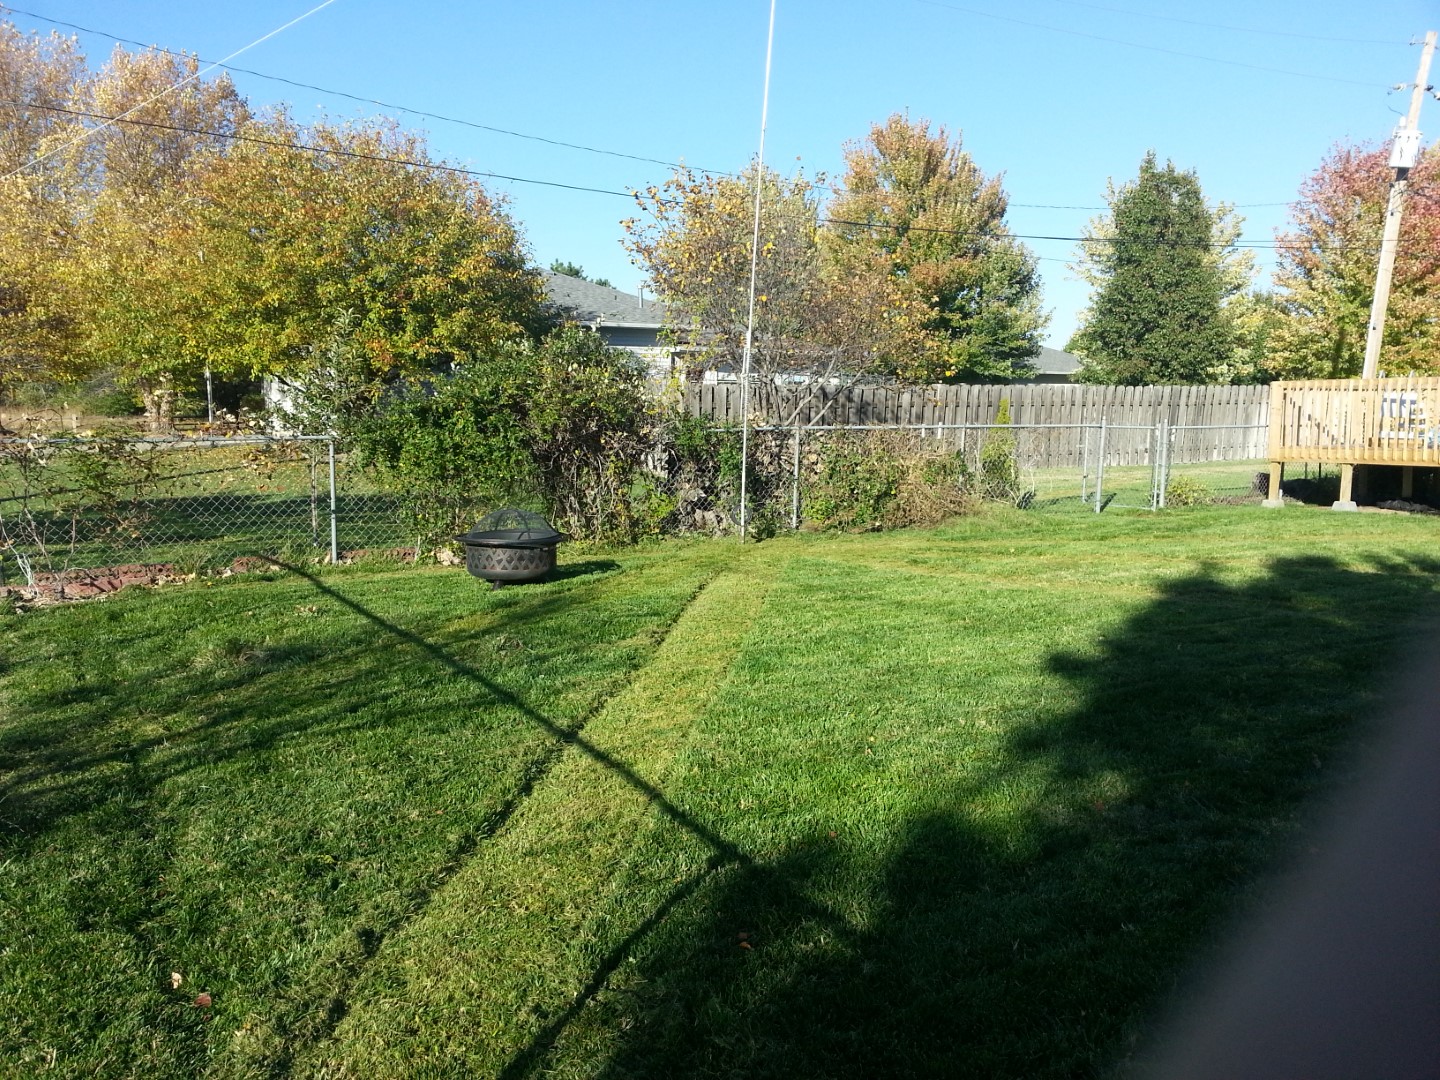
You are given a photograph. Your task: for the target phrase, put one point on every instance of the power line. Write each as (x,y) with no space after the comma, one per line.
(441,167)
(1052,206)
(498,130)
(170,89)
(374,101)
(1239,245)
(1226,26)
(1151,48)
(335,151)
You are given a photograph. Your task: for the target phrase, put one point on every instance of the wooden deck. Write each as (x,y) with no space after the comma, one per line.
(1352,422)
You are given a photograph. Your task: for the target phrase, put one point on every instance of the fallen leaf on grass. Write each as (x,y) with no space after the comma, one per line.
(202,1001)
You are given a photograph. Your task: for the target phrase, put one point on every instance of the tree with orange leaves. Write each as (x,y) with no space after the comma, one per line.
(916,200)
(1326,276)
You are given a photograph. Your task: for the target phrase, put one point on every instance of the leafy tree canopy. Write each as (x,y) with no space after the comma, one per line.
(575,270)
(201,235)
(1326,276)
(816,314)
(1156,314)
(916,199)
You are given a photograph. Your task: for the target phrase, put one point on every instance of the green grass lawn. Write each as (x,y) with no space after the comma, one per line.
(958,802)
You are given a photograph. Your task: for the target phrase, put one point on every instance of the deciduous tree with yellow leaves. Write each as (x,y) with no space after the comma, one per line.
(820,316)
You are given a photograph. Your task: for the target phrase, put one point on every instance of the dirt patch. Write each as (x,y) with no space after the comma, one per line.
(100,582)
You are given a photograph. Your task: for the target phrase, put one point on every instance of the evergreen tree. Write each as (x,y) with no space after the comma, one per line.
(1156,315)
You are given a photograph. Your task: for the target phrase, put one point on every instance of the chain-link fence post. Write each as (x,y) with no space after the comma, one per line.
(795,484)
(1100,468)
(334,522)
(1160,467)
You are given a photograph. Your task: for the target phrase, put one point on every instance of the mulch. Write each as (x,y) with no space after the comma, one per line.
(98,582)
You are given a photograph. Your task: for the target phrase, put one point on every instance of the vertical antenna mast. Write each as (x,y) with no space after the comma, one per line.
(750,317)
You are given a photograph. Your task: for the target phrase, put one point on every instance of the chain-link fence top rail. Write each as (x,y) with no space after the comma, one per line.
(84,503)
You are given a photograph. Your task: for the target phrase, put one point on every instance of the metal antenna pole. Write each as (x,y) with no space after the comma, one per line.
(750,317)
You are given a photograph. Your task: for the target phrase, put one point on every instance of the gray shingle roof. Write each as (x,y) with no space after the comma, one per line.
(586,302)
(1056,362)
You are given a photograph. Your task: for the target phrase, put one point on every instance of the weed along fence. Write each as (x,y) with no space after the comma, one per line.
(77,506)
(799,474)
(1350,422)
(69,505)
(1082,447)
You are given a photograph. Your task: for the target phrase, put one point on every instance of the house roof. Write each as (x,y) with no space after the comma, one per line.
(1056,362)
(585,302)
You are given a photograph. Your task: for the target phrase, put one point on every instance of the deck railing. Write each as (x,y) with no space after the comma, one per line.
(1356,421)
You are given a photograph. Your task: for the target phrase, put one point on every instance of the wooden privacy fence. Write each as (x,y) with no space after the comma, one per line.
(1206,423)
(1356,421)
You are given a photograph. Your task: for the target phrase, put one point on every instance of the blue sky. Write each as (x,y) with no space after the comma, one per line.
(1058,95)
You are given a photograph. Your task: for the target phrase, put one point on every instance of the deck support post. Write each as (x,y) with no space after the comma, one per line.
(1275,499)
(1407,482)
(1347,489)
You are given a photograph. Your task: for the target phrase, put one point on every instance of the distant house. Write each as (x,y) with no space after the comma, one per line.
(1053,366)
(624,320)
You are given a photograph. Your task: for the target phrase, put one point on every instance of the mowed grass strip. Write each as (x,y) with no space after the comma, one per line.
(512,941)
(989,830)
(956,802)
(241,790)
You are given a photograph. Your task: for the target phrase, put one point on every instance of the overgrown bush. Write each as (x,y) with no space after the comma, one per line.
(883,479)
(698,463)
(1183,490)
(561,426)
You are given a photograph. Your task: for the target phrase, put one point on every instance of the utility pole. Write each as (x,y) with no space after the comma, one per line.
(1404,153)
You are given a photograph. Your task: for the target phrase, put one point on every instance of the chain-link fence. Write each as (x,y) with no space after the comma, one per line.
(855,476)
(70,504)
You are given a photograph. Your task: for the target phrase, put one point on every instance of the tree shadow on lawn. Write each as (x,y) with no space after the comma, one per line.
(53,764)
(264,703)
(1034,941)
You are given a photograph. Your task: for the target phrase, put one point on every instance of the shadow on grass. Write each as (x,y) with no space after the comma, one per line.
(1037,943)
(584,568)
(58,769)
(1034,946)
(265,698)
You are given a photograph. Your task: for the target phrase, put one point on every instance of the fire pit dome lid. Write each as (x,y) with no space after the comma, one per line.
(512,527)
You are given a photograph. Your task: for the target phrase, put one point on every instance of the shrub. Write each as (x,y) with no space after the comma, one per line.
(562,425)
(698,463)
(999,472)
(855,487)
(1187,491)
(884,479)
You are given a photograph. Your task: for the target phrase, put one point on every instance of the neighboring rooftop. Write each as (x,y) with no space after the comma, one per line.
(588,303)
(1056,362)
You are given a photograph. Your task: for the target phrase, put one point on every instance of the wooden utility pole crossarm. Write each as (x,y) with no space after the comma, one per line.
(1403,155)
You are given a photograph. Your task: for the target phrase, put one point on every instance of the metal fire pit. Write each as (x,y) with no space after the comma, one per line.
(511,545)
